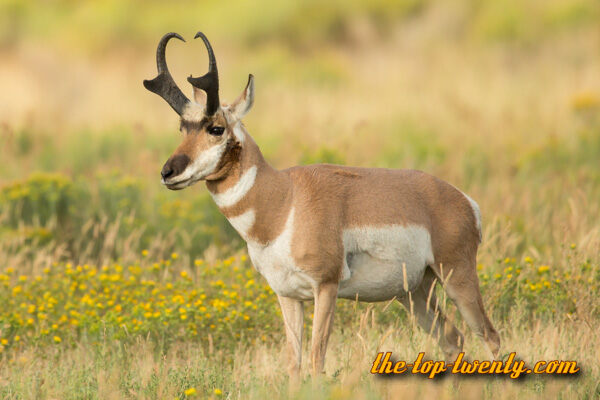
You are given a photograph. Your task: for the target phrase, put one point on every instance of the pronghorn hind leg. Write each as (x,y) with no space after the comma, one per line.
(325,297)
(462,285)
(293,319)
(430,317)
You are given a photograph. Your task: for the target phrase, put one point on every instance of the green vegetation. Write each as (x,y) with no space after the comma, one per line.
(88,220)
(112,286)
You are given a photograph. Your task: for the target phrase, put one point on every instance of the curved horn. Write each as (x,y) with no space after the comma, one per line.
(164,85)
(208,82)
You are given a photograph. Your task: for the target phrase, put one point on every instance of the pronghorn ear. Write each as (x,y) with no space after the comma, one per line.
(199,96)
(243,104)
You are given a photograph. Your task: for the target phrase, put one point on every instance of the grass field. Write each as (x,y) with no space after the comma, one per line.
(112,286)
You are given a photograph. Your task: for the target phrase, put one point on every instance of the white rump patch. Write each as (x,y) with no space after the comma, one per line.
(381,262)
(235,193)
(275,262)
(243,223)
(477,213)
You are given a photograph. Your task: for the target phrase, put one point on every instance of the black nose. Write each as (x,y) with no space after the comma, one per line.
(175,166)
(167,171)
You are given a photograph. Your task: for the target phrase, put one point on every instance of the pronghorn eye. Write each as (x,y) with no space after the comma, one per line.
(216,130)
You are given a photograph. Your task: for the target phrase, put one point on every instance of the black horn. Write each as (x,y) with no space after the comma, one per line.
(164,85)
(210,81)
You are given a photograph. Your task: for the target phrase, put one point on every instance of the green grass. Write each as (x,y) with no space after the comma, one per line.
(501,99)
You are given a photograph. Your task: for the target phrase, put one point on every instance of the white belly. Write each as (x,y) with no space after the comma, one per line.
(379,263)
(274,261)
(382,262)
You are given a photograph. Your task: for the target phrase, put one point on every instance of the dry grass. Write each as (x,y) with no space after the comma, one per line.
(137,370)
(513,122)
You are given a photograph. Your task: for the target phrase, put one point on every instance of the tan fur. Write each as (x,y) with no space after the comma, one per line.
(325,296)
(328,199)
(195,137)
(293,319)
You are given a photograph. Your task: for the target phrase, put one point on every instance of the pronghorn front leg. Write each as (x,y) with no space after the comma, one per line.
(293,318)
(325,296)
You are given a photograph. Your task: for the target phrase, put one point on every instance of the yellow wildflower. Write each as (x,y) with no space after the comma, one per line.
(585,101)
(543,268)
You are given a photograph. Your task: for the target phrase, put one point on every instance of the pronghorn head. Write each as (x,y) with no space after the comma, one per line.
(212,132)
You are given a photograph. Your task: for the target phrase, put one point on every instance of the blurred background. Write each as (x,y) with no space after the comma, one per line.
(113,286)
(500,98)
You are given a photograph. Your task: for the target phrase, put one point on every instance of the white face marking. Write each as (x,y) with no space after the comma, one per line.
(243,223)
(377,260)
(235,193)
(274,261)
(239,132)
(193,112)
(202,166)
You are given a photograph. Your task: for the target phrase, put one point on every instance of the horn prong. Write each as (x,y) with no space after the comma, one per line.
(208,82)
(163,84)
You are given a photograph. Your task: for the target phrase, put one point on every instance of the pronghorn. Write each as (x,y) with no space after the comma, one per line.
(319,232)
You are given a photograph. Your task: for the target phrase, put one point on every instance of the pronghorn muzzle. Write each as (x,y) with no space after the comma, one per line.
(174,166)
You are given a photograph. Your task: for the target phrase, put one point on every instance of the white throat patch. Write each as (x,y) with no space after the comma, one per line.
(243,223)
(235,193)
